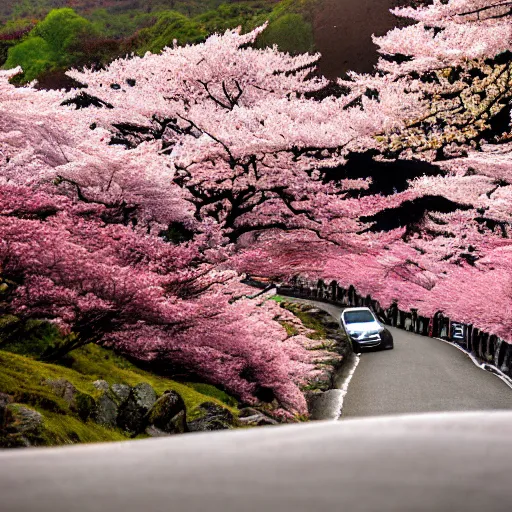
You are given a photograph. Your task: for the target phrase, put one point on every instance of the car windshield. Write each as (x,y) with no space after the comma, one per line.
(358,317)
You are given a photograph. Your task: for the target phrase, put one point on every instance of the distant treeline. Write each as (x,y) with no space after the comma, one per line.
(46,37)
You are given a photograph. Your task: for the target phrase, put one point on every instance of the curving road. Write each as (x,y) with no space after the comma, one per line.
(422,375)
(419,375)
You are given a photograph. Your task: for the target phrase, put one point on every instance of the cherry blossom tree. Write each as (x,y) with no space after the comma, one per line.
(71,255)
(242,129)
(400,186)
(454,70)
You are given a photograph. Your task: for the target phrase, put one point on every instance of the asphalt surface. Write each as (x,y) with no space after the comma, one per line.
(419,463)
(420,374)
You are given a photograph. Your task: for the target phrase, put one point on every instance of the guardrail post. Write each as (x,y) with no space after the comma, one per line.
(438,318)
(505,367)
(398,320)
(467,336)
(424,329)
(351,293)
(498,352)
(489,354)
(320,289)
(333,291)
(445,329)
(477,343)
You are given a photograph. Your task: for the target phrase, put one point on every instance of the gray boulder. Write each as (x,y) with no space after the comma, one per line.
(101,385)
(213,417)
(106,411)
(144,395)
(169,414)
(64,389)
(133,413)
(77,401)
(121,392)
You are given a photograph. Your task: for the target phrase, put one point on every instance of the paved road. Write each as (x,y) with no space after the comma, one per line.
(386,464)
(419,375)
(422,375)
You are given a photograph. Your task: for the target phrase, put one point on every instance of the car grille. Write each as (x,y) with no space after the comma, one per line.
(375,337)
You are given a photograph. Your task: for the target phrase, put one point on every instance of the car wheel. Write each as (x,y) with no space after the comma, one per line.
(388,340)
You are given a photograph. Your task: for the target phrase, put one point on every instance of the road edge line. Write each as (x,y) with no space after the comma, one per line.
(344,387)
(486,367)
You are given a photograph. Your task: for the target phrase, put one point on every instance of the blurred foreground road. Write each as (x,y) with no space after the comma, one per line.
(428,462)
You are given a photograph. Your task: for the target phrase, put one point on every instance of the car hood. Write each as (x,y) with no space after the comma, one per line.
(363,327)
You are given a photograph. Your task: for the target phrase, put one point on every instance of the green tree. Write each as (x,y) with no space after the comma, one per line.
(33,55)
(62,29)
(170,25)
(55,43)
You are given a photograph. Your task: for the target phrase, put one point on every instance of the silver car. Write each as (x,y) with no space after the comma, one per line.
(364,330)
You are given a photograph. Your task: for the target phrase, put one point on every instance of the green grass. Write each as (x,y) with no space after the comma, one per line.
(290,329)
(59,429)
(24,378)
(308,320)
(212,391)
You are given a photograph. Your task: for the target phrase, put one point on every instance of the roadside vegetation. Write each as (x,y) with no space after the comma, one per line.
(66,394)
(28,381)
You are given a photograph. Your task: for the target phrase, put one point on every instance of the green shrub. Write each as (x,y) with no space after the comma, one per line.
(170,25)
(33,55)
(62,29)
(53,44)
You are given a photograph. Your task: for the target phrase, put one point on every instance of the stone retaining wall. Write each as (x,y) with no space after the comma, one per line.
(491,350)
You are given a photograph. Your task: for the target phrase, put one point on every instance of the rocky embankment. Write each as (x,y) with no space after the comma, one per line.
(322,393)
(135,411)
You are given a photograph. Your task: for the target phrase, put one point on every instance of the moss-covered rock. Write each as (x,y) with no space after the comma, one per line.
(212,417)
(22,426)
(106,411)
(168,414)
(132,415)
(121,393)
